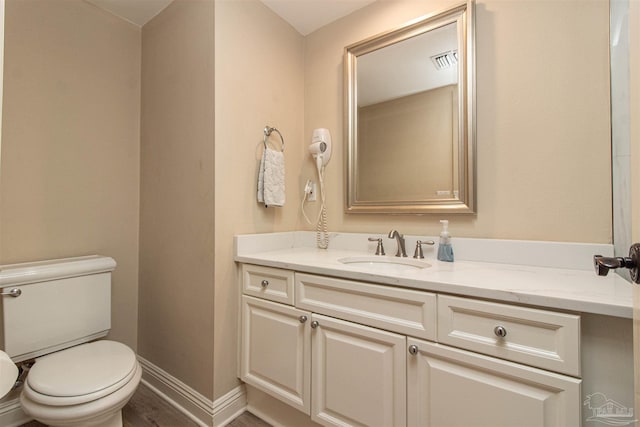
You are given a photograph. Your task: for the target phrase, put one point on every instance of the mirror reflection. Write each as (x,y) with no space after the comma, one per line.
(407,118)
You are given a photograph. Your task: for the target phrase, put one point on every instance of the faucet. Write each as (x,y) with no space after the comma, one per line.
(393,234)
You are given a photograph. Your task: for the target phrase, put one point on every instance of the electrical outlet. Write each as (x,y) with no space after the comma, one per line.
(312,195)
(310,191)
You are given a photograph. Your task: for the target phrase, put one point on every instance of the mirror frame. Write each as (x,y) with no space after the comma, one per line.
(464,16)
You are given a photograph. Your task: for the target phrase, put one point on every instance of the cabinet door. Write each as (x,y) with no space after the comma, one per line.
(451,387)
(358,375)
(275,351)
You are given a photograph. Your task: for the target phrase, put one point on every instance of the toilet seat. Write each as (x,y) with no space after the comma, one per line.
(80,374)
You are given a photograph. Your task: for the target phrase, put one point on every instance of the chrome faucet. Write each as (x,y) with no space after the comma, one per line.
(393,234)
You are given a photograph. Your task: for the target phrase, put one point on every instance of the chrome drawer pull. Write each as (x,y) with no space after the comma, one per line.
(14,292)
(500,331)
(264,283)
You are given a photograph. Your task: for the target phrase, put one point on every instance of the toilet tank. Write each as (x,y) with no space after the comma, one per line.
(51,305)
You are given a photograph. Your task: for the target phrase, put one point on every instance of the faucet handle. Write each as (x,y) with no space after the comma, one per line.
(379,248)
(418,253)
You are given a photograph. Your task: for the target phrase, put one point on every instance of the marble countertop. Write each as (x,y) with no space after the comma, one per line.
(572,289)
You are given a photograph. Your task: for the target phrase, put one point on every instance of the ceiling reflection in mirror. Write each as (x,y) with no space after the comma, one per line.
(410,118)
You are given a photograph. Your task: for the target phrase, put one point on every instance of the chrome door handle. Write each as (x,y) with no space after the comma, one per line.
(413,349)
(315,324)
(13,292)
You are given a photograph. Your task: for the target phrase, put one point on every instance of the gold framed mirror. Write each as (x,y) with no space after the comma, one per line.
(410,117)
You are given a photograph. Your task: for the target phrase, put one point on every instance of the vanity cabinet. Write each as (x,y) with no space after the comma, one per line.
(350,361)
(354,353)
(276,351)
(457,388)
(358,374)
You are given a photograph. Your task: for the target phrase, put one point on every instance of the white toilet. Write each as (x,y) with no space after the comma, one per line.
(54,311)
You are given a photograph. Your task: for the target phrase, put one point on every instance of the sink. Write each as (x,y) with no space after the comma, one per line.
(383,264)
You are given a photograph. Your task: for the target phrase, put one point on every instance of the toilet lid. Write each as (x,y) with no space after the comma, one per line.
(82,370)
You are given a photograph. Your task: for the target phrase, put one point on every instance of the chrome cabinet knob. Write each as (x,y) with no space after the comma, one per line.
(264,283)
(413,349)
(303,318)
(500,331)
(315,324)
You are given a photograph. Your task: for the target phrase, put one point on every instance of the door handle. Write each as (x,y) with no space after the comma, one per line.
(603,264)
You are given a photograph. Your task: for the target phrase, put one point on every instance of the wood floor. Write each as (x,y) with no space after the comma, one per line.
(146,409)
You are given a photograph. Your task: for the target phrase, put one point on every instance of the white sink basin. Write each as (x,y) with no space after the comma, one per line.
(383,264)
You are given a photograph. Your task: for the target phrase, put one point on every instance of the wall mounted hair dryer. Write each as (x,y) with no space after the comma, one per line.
(320,147)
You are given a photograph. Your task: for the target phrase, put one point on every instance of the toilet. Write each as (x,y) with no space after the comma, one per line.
(56,312)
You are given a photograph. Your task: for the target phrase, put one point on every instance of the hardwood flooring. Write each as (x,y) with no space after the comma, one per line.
(146,409)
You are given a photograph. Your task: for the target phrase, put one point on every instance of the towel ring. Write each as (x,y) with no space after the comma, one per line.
(267,132)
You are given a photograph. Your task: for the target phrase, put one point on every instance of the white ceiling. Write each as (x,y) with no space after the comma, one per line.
(305,16)
(138,12)
(406,68)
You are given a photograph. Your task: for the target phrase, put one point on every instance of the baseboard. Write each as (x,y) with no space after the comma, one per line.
(194,405)
(229,406)
(11,414)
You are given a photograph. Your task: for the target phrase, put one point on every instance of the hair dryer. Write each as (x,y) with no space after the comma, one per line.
(320,147)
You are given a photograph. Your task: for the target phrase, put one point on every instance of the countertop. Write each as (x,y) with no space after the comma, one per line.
(571,289)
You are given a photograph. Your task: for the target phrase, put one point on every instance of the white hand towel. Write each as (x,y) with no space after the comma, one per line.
(261,178)
(271,178)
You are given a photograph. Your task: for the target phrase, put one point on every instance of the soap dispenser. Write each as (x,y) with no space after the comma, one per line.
(445,250)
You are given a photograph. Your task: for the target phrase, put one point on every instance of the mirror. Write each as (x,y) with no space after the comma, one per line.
(410,117)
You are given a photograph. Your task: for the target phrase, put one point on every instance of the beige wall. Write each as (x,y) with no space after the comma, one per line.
(406,150)
(177,186)
(259,81)
(70,154)
(543,131)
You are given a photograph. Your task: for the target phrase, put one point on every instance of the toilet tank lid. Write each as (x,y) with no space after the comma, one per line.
(40,271)
(82,370)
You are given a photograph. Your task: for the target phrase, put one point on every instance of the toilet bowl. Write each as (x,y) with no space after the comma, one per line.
(86,385)
(56,312)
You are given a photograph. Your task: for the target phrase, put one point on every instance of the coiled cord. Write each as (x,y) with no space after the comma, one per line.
(322,232)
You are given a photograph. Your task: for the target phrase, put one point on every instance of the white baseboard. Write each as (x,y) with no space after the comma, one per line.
(194,405)
(229,406)
(11,414)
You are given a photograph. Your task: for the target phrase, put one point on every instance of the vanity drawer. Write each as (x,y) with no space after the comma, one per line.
(269,283)
(399,310)
(540,338)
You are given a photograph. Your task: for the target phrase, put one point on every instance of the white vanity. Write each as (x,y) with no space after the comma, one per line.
(464,344)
